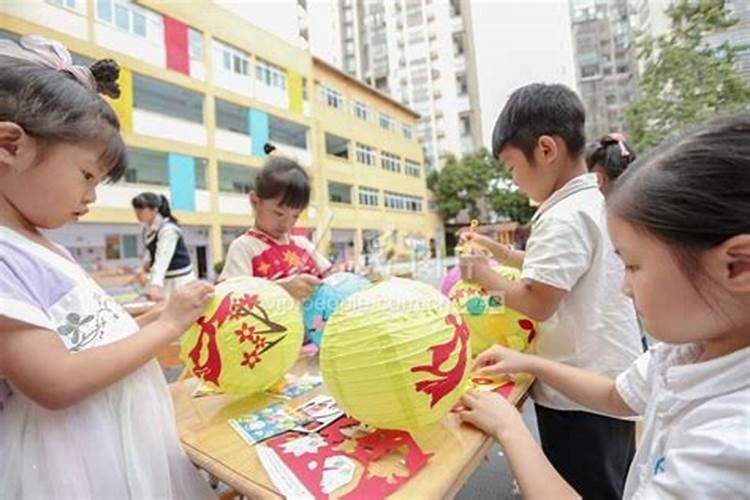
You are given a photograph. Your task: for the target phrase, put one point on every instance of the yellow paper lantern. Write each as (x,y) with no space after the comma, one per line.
(248,338)
(490,322)
(396,356)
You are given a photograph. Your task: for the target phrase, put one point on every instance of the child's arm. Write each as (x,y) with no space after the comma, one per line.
(503,253)
(537,478)
(588,389)
(37,362)
(536,300)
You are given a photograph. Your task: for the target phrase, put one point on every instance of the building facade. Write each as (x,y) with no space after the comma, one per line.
(421,53)
(202,92)
(606,62)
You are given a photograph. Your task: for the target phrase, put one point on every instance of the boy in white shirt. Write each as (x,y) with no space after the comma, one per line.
(570,283)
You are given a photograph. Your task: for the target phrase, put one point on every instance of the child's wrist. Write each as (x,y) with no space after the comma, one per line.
(509,430)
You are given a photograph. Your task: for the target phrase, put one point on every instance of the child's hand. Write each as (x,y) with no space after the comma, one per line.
(185,305)
(495,247)
(490,413)
(475,268)
(499,360)
(154,293)
(301,287)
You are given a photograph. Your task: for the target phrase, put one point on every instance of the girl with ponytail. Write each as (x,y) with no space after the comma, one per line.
(167,257)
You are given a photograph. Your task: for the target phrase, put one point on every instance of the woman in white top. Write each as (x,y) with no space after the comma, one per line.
(680,221)
(167,257)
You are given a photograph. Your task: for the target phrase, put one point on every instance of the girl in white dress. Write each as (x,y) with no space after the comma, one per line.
(85,411)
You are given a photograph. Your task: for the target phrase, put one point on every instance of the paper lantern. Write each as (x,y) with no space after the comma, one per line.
(248,338)
(326,298)
(453,276)
(396,356)
(489,321)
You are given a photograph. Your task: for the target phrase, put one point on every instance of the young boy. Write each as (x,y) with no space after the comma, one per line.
(570,283)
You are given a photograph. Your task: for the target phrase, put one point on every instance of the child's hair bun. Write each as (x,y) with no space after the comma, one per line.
(106,72)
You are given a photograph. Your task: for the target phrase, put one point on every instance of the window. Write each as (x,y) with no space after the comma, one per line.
(464,125)
(233,60)
(195,45)
(462,85)
(366,154)
(147,167)
(167,99)
(270,74)
(361,111)
(337,146)
(611,99)
(369,197)
(200,173)
(458,44)
(339,193)
(70,4)
(287,132)
(122,17)
(399,201)
(104,10)
(331,97)
(390,162)
(305,91)
(386,121)
(234,178)
(407,130)
(121,13)
(117,246)
(232,117)
(412,168)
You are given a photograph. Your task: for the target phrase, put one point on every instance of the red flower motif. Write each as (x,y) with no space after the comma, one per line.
(246,332)
(236,309)
(259,341)
(250,301)
(250,359)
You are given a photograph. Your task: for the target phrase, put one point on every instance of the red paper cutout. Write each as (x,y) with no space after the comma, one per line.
(231,309)
(389,459)
(528,325)
(449,380)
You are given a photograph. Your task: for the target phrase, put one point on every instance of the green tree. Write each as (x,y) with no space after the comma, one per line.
(686,80)
(474,181)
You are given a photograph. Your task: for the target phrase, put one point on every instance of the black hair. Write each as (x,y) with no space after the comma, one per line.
(693,191)
(51,106)
(155,202)
(540,109)
(286,178)
(612,154)
(268,148)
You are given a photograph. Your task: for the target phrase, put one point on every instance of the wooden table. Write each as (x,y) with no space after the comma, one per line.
(215,447)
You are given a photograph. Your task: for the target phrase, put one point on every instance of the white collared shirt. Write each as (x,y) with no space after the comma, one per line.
(595,326)
(696,441)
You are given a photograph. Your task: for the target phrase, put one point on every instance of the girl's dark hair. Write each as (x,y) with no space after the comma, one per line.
(51,106)
(155,202)
(693,191)
(286,178)
(612,154)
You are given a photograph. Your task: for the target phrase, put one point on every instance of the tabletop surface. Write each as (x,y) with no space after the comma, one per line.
(213,445)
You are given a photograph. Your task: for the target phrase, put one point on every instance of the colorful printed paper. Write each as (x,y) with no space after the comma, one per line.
(399,359)
(489,321)
(248,338)
(291,387)
(265,423)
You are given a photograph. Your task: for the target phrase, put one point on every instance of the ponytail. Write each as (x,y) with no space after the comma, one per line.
(165,210)
(155,202)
